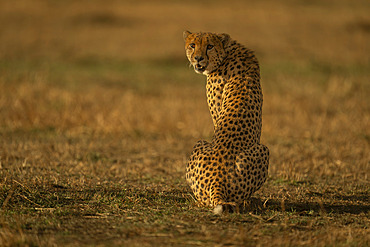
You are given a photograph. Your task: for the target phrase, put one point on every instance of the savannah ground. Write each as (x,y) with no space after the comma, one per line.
(99,112)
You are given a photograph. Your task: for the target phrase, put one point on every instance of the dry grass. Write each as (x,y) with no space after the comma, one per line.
(99,112)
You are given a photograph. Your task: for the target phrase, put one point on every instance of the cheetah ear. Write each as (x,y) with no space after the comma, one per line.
(186,34)
(225,38)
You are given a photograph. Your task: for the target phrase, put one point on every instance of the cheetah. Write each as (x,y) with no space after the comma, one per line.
(225,172)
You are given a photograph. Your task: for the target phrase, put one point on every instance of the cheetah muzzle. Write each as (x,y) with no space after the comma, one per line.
(229,169)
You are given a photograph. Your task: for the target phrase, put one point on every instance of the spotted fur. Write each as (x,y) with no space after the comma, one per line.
(227,170)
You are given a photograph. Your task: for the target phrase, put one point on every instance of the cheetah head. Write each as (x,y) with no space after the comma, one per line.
(205,51)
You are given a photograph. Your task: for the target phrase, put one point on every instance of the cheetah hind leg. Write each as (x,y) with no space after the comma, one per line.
(252,167)
(199,158)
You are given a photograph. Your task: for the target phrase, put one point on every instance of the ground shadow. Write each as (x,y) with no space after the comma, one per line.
(58,196)
(305,208)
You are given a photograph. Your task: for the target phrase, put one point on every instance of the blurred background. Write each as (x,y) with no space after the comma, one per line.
(325,31)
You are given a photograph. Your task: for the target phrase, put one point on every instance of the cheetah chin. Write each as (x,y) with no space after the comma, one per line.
(199,68)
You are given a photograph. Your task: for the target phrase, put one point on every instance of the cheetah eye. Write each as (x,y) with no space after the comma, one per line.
(192,45)
(209,47)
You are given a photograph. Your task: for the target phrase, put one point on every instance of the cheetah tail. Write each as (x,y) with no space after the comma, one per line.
(218,209)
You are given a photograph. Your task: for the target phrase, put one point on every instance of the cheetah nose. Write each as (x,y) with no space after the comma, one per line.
(198,58)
